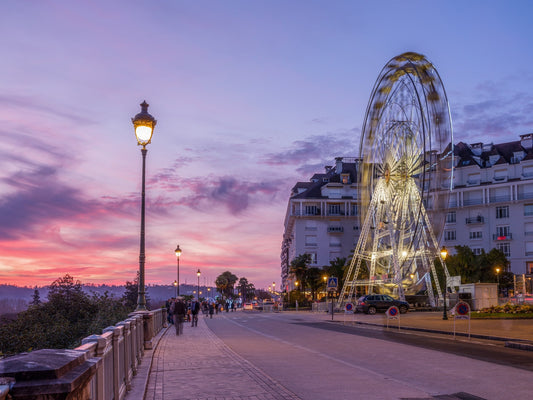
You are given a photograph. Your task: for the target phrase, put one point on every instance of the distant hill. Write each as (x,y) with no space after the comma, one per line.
(14,299)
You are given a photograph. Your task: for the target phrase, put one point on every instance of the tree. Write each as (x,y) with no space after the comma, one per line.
(68,316)
(314,280)
(298,268)
(246,289)
(337,269)
(131,294)
(36,299)
(225,283)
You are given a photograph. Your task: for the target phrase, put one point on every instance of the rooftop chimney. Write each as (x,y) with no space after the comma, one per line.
(338,165)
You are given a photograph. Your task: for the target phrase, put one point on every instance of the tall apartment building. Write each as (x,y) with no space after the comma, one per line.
(491,206)
(321,218)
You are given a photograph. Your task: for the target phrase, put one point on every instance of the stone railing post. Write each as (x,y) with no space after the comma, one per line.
(119,385)
(50,374)
(128,355)
(103,350)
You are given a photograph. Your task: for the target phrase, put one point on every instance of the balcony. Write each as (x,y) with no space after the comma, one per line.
(475,220)
(472,202)
(335,229)
(499,238)
(500,199)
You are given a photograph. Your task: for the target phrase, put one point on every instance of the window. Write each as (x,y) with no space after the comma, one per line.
(503,231)
(313,258)
(529,267)
(449,235)
(354,209)
(502,212)
(310,226)
(450,217)
(476,235)
(311,210)
(477,251)
(528,210)
(310,240)
(334,209)
(334,241)
(345,178)
(505,248)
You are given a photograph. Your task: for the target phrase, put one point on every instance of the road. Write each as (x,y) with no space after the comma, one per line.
(318,359)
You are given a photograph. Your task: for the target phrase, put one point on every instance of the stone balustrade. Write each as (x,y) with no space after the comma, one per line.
(101,368)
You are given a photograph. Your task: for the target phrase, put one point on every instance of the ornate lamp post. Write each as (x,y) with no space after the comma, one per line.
(444,254)
(178,254)
(143,124)
(198,273)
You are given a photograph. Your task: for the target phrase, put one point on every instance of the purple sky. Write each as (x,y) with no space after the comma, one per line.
(250,97)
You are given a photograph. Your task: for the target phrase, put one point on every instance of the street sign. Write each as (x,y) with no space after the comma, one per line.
(332,284)
(348,308)
(393,312)
(462,310)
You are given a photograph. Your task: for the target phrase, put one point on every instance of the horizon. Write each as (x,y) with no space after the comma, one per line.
(250,98)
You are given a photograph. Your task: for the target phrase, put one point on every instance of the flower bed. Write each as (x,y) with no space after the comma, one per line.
(508,310)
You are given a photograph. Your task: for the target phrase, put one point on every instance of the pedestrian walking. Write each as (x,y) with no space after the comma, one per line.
(179,310)
(211,310)
(195,309)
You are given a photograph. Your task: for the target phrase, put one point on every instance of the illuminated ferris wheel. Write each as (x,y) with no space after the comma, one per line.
(405,180)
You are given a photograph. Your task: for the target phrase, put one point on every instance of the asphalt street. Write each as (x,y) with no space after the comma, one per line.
(319,359)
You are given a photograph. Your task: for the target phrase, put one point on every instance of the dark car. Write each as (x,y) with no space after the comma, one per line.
(372,303)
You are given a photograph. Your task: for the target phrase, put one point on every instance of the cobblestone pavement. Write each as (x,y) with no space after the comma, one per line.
(197,365)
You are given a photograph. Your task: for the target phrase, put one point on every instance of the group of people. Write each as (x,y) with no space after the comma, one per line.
(178,311)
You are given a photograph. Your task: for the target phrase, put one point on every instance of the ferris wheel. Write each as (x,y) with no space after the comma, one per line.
(405,179)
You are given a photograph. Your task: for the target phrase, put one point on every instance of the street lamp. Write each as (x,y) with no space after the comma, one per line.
(176,286)
(143,124)
(498,278)
(178,254)
(444,254)
(198,273)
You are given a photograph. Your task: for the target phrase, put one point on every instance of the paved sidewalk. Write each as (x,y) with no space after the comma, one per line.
(197,365)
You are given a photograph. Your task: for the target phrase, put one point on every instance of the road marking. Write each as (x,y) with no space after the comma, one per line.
(300,347)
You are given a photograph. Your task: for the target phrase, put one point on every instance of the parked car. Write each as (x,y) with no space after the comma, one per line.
(372,303)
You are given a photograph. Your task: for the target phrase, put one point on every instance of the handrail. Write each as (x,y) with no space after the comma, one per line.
(111,360)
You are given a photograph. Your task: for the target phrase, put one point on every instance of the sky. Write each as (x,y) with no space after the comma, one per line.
(250,97)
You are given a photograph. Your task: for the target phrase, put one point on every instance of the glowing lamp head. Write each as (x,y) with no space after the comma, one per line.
(198,273)
(178,251)
(144,124)
(444,253)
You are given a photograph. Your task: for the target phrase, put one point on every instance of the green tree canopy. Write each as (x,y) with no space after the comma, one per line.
(68,316)
(246,289)
(298,268)
(225,283)
(314,280)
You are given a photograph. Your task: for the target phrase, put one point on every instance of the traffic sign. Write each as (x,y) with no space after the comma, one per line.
(332,283)
(462,310)
(348,308)
(393,312)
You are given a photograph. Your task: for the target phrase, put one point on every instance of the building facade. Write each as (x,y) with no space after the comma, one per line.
(490,206)
(322,218)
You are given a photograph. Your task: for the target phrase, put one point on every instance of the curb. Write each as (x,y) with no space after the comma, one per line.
(509,342)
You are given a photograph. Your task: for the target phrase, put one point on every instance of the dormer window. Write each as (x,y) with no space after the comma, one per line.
(345,178)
